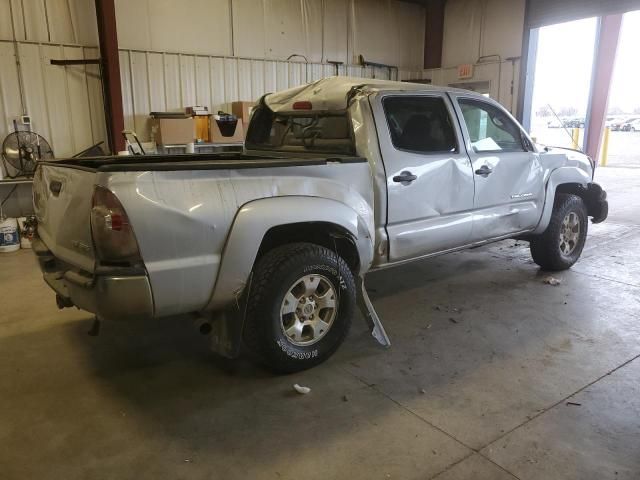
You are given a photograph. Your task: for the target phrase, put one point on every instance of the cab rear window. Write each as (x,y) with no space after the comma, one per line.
(304,131)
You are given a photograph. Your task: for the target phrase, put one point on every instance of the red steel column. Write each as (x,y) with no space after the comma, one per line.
(108,35)
(604,59)
(433,33)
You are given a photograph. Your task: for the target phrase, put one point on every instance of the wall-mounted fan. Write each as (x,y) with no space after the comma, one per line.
(22,150)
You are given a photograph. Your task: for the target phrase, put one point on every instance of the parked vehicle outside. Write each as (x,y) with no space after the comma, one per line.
(574,123)
(630,125)
(270,247)
(634,126)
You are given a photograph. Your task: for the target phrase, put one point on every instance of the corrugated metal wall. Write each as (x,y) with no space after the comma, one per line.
(155,81)
(233,50)
(65,103)
(384,31)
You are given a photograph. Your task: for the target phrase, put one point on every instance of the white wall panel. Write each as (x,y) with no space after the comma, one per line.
(127,94)
(10,106)
(312,22)
(83,16)
(462,30)
(503,27)
(335,29)
(385,31)
(78,100)
(203,81)
(140,95)
(217,84)
(172,85)
(34,91)
(194,26)
(60,21)
(6,30)
(270,76)
(187,80)
(57,21)
(244,80)
(231,80)
(248,28)
(35,20)
(155,66)
(94,90)
(132,20)
(284,28)
(479,28)
(410,21)
(257,79)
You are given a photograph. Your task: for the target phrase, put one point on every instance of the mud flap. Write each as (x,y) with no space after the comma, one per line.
(224,329)
(370,315)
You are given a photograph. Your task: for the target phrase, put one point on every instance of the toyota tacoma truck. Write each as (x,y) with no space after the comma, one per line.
(268,248)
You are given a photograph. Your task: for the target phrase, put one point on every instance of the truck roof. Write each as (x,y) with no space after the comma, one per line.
(331,93)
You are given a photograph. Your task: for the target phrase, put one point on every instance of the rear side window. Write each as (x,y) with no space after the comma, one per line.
(490,129)
(420,124)
(304,131)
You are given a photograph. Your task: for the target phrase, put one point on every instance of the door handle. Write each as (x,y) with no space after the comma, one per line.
(484,171)
(405,178)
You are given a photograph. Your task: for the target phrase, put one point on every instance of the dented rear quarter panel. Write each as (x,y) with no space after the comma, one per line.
(182,219)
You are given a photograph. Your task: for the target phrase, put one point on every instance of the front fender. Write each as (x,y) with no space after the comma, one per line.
(253,221)
(558,177)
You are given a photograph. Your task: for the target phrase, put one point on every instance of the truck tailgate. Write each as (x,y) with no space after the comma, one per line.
(62,201)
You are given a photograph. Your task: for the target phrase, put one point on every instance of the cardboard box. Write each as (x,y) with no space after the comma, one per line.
(168,131)
(217,137)
(242,110)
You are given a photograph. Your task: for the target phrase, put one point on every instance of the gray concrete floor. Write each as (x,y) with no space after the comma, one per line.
(492,375)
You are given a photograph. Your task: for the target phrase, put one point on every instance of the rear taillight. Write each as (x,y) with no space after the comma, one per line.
(113,236)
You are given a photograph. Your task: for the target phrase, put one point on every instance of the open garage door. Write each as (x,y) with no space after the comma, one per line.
(548,12)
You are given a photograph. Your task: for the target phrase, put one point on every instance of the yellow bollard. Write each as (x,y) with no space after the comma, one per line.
(605,147)
(576,138)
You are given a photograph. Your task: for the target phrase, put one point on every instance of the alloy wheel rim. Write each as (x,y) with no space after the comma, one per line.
(569,233)
(308,310)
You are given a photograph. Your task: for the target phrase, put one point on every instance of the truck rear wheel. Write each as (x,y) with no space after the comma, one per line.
(300,306)
(561,244)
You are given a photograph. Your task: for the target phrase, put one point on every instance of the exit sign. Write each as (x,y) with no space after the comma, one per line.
(465,71)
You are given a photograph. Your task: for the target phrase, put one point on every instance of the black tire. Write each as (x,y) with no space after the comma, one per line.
(273,277)
(546,249)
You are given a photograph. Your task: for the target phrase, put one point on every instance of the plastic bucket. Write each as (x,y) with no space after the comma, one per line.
(227,124)
(9,237)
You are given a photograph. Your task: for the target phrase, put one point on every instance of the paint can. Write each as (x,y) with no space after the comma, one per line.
(9,236)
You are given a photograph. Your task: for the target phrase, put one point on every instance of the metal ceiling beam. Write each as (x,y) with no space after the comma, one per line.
(112,90)
(433,33)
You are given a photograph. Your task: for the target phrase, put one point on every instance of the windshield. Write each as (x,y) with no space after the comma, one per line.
(303,131)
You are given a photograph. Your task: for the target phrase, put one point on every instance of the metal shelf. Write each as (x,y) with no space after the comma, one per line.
(15,181)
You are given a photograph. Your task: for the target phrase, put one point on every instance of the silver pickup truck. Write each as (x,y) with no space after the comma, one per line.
(269,247)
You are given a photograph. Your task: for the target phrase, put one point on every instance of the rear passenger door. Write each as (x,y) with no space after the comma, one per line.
(509,180)
(429,177)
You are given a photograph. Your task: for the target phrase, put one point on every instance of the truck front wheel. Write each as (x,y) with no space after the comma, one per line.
(299,307)
(561,244)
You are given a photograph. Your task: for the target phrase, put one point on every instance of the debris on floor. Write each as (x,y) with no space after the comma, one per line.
(301,390)
(446,308)
(575,404)
(345,398)
(453,320)
(551,281)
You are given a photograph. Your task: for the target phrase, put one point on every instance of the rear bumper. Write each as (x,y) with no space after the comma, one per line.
(111,294)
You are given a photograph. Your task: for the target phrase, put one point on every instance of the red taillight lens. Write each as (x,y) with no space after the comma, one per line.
(112,234)
(302,106)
